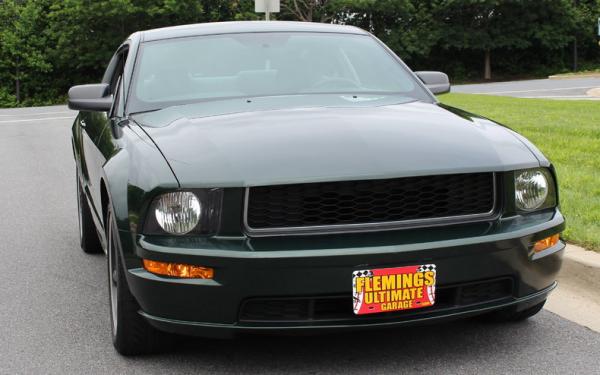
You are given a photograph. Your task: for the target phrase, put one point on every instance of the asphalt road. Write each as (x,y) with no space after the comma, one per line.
(573,88)
(54,304)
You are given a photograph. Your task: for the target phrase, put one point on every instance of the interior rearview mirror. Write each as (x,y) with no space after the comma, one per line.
(94,97)
(436,82)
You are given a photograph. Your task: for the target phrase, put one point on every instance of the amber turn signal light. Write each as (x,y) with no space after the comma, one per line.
(178,270)
(546,243)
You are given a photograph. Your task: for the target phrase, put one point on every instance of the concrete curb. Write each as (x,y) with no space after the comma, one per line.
(574,76)
(577,297)
(594,92)
(580,255)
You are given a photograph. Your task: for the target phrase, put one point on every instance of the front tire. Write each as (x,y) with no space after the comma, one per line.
(88,236)
(131,333)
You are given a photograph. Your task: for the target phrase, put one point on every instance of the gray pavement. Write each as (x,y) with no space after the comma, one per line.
(54,310)
(572,88)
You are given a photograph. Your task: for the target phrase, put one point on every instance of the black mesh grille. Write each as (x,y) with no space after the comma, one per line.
(370,201)
(482,292)
(339,307)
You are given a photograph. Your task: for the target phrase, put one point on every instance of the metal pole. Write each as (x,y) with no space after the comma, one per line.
(268,10)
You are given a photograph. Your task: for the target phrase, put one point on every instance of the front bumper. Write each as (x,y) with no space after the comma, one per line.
(217,330)
(317,267)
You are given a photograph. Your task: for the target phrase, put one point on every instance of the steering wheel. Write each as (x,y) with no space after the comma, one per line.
(335,83)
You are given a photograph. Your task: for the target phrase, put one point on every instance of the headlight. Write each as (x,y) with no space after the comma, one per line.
(178,213)
(534,189)
(185,212)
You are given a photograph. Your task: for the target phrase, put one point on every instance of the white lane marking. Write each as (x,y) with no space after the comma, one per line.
(36,114)
(574,97)
(35,119)
(536,90)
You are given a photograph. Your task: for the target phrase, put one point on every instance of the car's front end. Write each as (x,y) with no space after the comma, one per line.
(304,282)
(275,255)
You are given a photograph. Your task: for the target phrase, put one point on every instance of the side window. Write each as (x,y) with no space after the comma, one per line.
(118,71)
(117,97)
(110,69)
(116,79)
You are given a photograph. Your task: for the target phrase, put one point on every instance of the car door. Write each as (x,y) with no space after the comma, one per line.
(96,132)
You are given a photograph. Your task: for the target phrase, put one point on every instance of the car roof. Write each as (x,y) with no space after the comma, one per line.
(244,27)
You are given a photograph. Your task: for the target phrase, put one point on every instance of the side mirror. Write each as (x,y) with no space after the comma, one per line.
(95,97)
(436,82)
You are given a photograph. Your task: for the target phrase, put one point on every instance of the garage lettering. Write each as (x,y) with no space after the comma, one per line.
(400,281)
(394,292)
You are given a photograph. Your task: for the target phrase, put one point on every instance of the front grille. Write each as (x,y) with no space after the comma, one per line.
(365,202)
(481,292)
(339,307)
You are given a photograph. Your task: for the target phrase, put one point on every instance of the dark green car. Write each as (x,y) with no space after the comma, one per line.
(295,177)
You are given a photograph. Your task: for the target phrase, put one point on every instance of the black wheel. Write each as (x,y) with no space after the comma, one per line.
(510,314)
(88,236)
(131,334)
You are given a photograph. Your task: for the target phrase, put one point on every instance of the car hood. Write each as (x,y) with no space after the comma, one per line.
(267,146)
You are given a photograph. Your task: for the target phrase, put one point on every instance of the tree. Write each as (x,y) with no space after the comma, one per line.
(23,44)
(48,45)
(489,25)
(406,26)
(585,15)
(308,10)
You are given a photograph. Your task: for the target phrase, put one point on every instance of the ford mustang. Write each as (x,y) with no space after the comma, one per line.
(254,177)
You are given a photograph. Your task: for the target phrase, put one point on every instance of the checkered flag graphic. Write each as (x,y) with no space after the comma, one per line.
(430,289)
(363,273)
(358,297)
(426,267)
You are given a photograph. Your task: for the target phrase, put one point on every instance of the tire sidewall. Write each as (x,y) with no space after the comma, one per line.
(79,210)
(113,253)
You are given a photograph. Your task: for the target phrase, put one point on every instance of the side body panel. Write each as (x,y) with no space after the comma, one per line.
(93,125)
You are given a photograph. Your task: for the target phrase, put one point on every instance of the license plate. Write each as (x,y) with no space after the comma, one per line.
(392,289)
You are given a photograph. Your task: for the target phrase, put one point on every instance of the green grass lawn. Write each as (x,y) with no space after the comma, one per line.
(568,132)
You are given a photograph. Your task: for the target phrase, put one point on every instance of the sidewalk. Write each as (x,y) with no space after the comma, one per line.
(577,297)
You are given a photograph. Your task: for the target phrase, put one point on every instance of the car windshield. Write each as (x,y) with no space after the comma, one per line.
(187,70)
